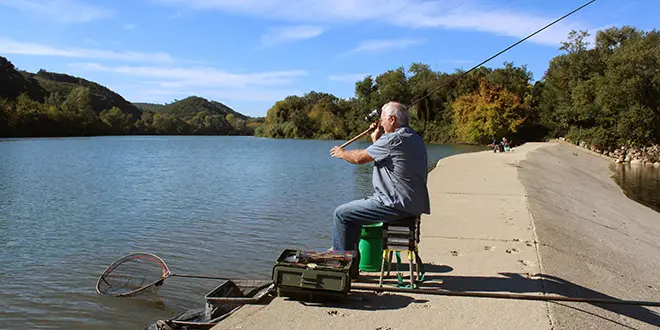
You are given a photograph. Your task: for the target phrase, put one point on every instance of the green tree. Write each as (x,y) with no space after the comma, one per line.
(116,121)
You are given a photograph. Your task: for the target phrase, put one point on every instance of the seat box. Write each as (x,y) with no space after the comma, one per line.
(313,275)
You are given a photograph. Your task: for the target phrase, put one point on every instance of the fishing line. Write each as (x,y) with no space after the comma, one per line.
(504,50)
(452,80)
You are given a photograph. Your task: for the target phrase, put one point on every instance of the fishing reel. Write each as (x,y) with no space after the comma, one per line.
(373,115)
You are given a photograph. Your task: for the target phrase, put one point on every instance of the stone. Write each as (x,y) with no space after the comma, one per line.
(636,161)
(656,164)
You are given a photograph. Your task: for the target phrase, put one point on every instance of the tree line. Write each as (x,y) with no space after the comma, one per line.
(49,104)
(74,116)
(606,94)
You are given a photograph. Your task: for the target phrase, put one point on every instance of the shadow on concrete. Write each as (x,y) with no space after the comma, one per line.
(505,283)
(562,287)
(539,283)
(370,301)
(428,268)
(592,314)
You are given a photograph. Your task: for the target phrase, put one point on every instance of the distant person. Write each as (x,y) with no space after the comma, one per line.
(399,178)
(505,145)
(494,145)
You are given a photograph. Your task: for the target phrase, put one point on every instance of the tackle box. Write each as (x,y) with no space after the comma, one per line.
(309,275)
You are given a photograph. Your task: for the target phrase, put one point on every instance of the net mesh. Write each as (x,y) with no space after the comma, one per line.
(133,274)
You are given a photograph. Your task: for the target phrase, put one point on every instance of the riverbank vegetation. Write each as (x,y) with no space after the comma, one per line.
(605,94)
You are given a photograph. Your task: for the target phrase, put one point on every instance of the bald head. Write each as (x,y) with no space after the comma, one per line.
(397,110)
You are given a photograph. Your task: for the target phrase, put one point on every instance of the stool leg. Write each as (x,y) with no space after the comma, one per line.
(412,275)
(389,263)
(382,268)
(418,262)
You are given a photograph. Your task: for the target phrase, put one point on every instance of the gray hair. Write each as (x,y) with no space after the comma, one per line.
(397,110)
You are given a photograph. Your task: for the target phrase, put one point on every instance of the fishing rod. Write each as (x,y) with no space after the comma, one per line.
(371,116)
(506,49)
(519,296)
(452,80)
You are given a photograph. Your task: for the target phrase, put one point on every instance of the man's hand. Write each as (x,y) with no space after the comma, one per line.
(375,135)
(337,152)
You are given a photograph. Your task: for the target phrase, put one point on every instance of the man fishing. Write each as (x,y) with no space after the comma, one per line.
(399,178)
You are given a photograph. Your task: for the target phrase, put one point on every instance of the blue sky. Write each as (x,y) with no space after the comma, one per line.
(249,54)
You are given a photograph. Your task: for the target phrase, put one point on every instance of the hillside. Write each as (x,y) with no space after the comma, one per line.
(190,106)
(197,115)
(13,83)
(102,97)
(56,104)
(153,107)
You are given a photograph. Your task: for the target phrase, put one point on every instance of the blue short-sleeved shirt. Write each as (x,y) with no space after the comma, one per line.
(400,171)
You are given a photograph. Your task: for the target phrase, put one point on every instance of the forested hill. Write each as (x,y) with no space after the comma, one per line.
(190,106)
(605,94)
(153,107)
(196,115)
(55,104)
(60,85)
(13,83)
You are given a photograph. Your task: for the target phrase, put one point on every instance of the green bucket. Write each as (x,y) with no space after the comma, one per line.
(371,247)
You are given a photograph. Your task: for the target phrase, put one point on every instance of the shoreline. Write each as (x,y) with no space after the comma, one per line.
(490,228)
(615,165)
(649,155)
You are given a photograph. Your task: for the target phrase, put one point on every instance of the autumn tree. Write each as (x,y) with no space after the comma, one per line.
(492,111)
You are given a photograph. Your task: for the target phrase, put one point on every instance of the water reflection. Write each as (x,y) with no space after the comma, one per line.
(640,183)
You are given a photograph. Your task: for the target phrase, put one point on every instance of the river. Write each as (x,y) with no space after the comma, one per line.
(639,182)
(222,206)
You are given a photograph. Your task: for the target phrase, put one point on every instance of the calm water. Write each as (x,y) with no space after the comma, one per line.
(222,206)
(641,183)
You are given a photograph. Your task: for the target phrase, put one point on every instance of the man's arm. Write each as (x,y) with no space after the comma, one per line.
(357,157)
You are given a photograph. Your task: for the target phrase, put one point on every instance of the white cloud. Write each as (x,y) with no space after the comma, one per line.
(156,84)
(205,77)
(373,46)
(8,46)
(130,27)
(450,14)
(348,77)
(63,11)
(290,34)
(252,95)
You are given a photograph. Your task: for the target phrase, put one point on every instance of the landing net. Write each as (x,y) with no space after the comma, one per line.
(133,274)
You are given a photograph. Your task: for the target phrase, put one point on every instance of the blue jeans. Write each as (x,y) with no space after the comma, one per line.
(350,217)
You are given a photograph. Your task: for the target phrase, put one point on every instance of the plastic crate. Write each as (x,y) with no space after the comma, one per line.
(232,294)
(221,302)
